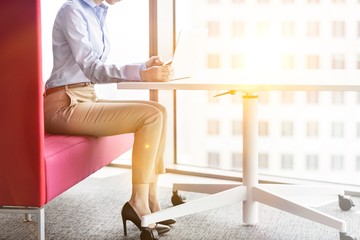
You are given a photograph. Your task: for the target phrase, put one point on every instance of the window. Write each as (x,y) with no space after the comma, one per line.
(213,160)
(312,129)
(238,29)
(213,61)
(213,127)
(214,29)
(237,127)
(312,62)
(287,162)
(237,61)
(263,128)
(337,129)
(263,161)
(313,29)
(264,97)
(287,129)
(337,97)
(237,159)
(338,29)
(337,162)
(248,36)
(262,29)
(312,97)
(288,29)
(338,61)
(287,97)
(288,61)
(312,162)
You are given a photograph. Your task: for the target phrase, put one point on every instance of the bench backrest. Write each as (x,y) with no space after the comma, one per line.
(22,175)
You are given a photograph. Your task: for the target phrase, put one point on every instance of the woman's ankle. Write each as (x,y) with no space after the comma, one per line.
(140,207)
(154,204)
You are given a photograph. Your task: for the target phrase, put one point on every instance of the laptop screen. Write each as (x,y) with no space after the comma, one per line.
(189,52)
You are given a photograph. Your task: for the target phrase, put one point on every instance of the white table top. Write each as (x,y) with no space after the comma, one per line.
(249,82)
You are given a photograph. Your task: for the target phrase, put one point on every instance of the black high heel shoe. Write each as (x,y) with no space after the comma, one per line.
(128,213)
(167,222)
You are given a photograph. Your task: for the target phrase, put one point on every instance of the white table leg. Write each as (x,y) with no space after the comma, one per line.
(250,159)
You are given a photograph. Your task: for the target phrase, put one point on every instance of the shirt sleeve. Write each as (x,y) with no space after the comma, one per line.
(74,26)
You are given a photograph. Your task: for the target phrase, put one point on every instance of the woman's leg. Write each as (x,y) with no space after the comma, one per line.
(160,168)
(139,199)
(153,193)
(101,118)
(111,118)
(154,203)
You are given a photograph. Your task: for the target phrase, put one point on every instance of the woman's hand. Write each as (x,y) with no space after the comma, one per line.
(154,61)
(155,73)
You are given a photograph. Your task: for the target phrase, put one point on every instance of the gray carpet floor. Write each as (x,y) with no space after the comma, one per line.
(91,210)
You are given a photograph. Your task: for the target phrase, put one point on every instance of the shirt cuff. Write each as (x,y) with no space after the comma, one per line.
(133,71)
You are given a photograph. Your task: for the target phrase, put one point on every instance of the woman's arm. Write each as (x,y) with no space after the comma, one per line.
(75,26)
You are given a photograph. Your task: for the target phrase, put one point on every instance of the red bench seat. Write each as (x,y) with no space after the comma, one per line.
(70,159)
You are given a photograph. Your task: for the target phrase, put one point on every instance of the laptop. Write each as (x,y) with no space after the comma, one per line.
(189,53)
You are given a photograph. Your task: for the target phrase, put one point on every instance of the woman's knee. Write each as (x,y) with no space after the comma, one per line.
(155,113)
(158,106)
(161,108)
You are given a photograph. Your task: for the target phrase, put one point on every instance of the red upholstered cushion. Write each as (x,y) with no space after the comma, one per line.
(70,159)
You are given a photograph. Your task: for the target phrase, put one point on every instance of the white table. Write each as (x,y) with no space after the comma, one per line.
(251,192)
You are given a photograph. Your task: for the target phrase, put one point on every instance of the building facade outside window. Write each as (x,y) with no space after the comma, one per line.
(312,129)
(312,162)
(337,162)
(312,97)
(213,127)
(237,160)
(313,61)
(284,37)
(213,159)
(263,161)
(237,127)
(287,162)
(313,29)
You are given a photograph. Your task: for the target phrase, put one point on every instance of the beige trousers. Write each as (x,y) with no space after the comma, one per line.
(77,111)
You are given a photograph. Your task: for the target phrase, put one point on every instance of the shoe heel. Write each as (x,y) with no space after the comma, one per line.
(124,226)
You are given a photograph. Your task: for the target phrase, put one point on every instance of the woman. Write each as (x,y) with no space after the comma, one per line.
(80,48)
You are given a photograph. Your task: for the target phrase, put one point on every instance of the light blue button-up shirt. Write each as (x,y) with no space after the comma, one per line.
(81,46)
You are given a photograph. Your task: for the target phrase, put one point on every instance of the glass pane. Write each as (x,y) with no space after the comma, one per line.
(311,135)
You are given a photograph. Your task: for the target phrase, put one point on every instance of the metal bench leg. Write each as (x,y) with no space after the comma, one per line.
(28,212)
